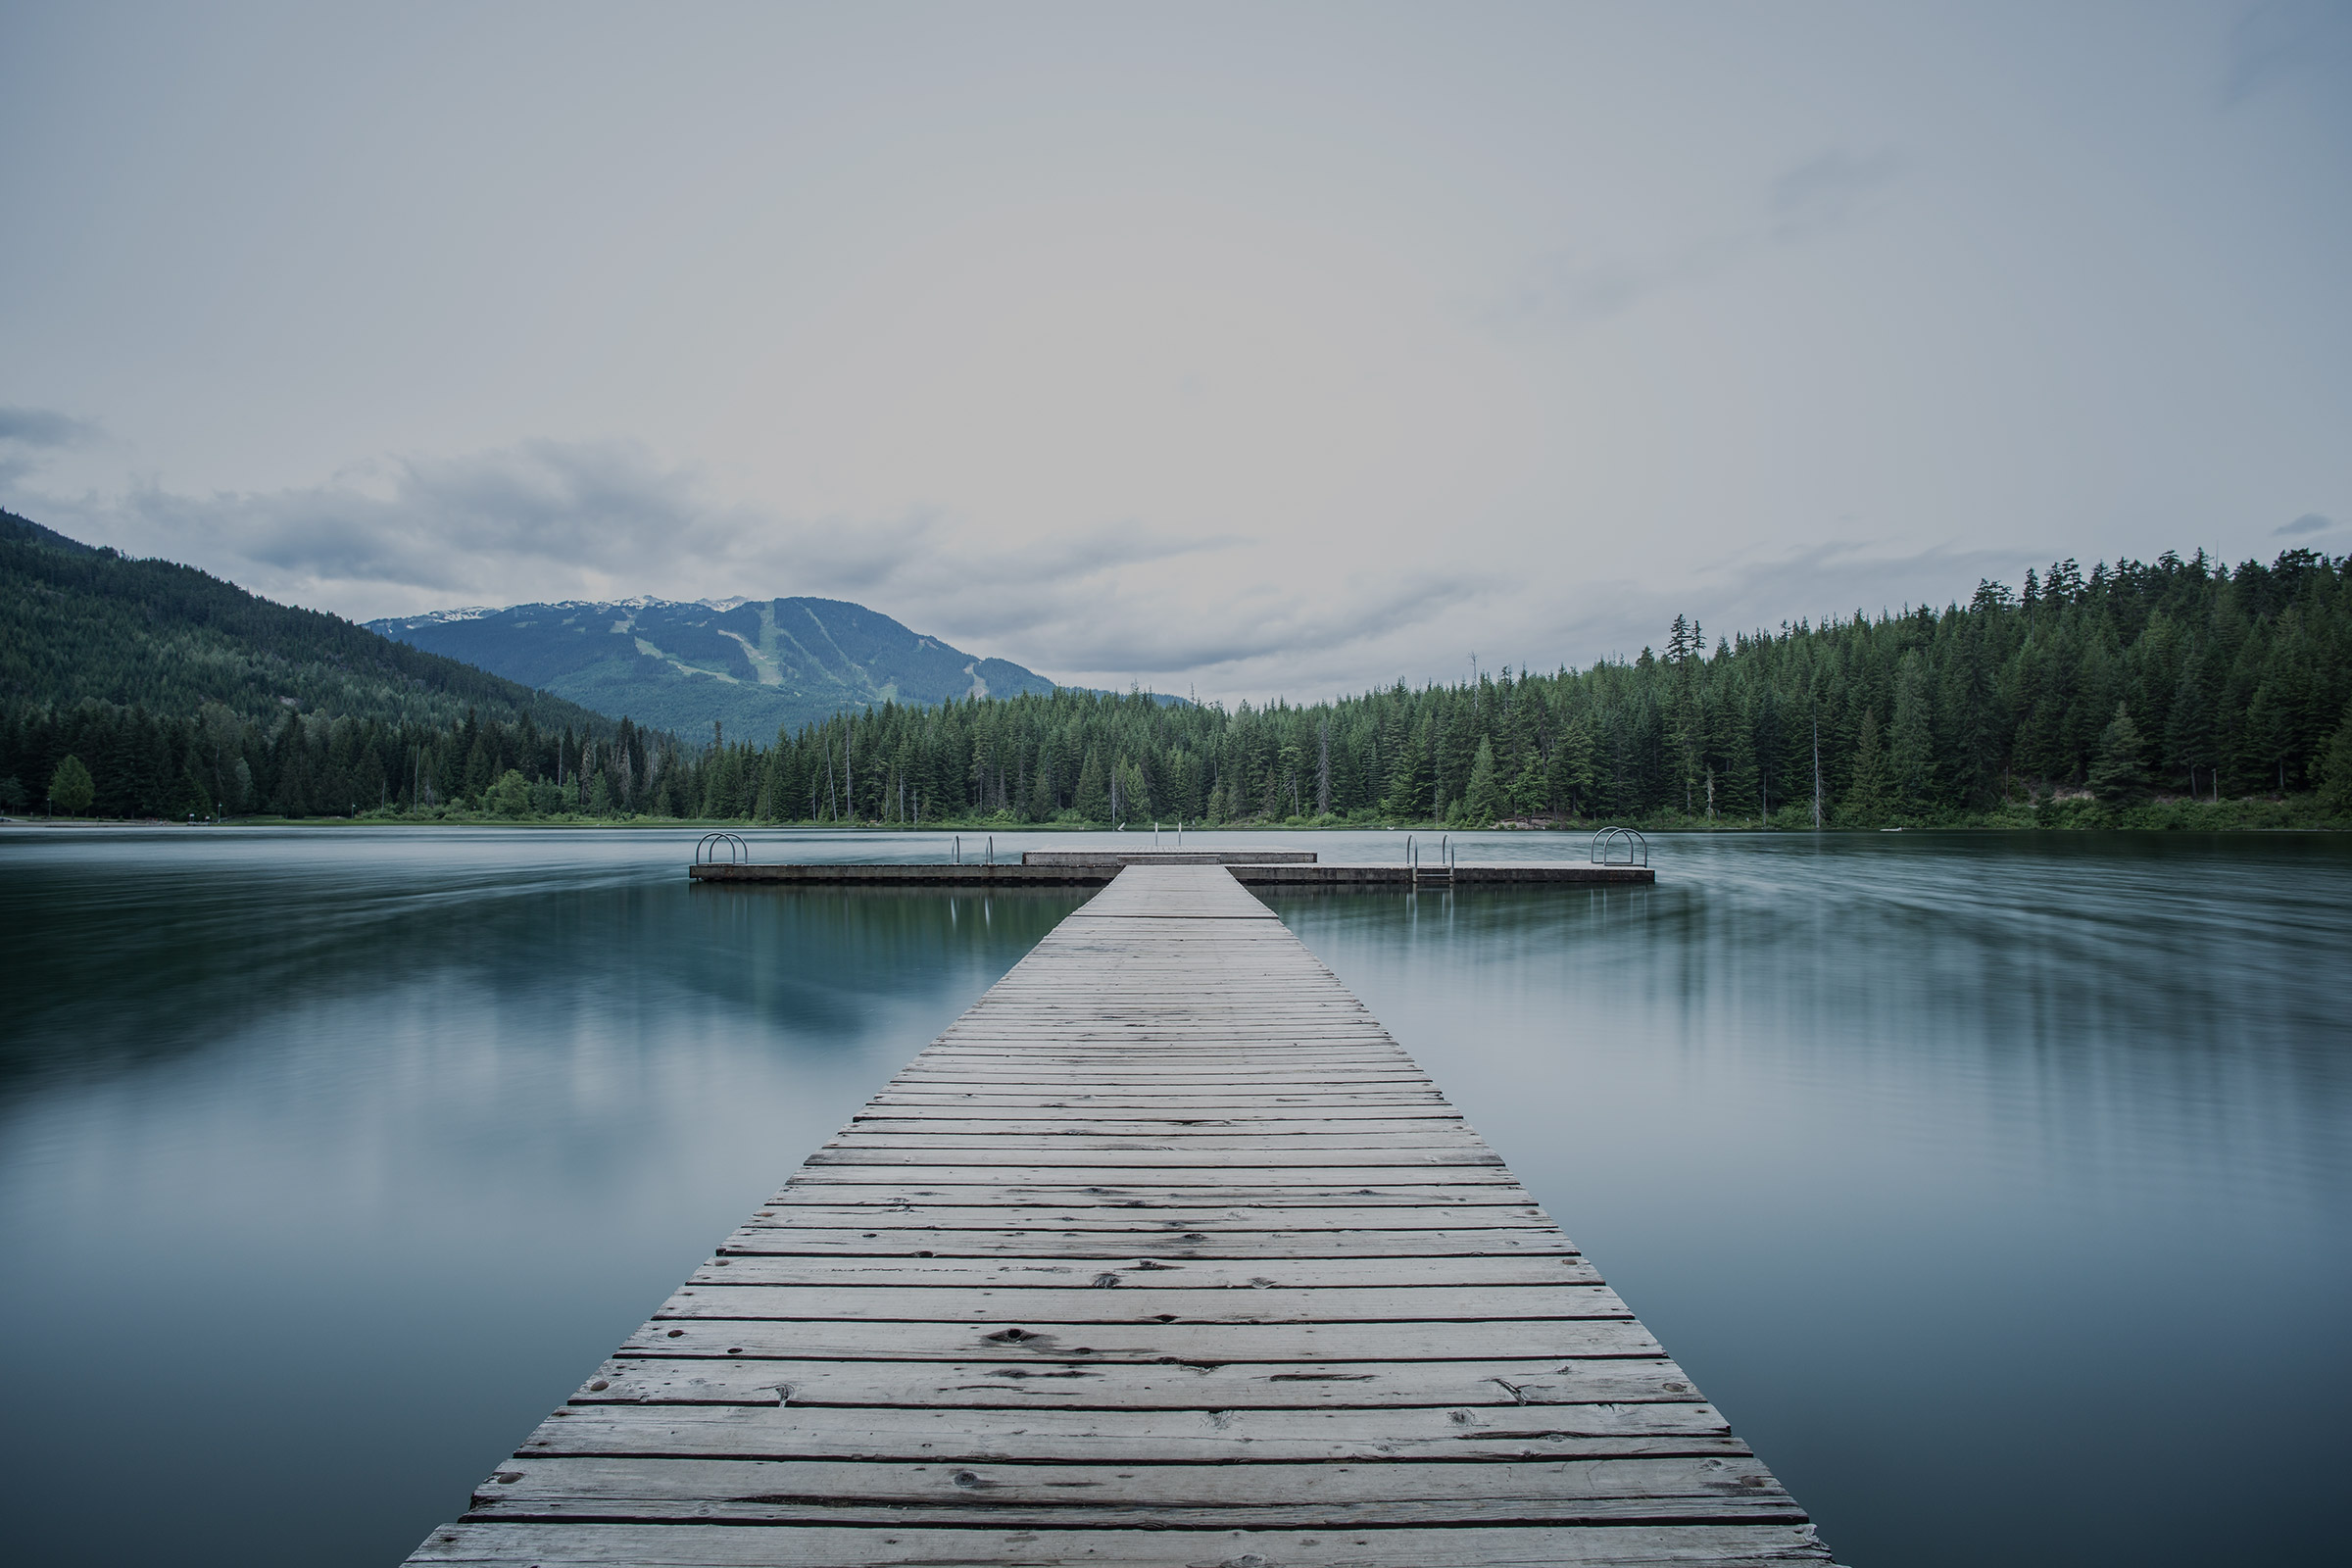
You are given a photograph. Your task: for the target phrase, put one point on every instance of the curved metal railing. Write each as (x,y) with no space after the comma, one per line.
(706,852)
(1609,840)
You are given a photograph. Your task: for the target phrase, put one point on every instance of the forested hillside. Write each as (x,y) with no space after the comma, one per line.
(2120,694)
(90,624)
(2111,687)
(146,664)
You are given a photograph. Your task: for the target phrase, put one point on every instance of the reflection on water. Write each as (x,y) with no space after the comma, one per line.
(329,1162)
(1997,1188)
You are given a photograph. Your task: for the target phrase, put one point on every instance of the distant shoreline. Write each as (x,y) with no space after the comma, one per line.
(2292,816)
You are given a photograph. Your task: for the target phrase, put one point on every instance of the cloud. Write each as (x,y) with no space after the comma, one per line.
(1101,605)
(1222,635)
(1098,604)
(2308,522)
(29,436)
(427,527)
(553,519)
(44,428)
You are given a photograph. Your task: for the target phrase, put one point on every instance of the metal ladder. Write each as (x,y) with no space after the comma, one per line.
(1426,874)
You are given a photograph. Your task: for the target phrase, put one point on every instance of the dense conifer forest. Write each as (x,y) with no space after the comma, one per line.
(2082,696)
(2172,693)
(177,692)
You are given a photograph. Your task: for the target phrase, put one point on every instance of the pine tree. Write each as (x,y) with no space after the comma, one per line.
(2334,767)
(70,789)
(1323,769)
(1457,752)
(1679,638)
(1910,745)
(2191,735)
(1572,767)
(1044,797)
(1409,774)
(1867,795)
(292,795)
(2119,771)
(1482,798)
(1530,791)
(1092,797)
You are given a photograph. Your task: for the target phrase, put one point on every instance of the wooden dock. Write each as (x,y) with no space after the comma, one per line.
(1297,870)
(1164,1254)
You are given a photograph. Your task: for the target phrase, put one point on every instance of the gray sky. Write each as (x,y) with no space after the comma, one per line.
(1271,349)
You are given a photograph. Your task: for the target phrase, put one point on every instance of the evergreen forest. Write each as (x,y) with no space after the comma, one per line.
(176,692)
(2176,692)
(2085,698)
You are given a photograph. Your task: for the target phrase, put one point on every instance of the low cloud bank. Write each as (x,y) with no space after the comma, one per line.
(1222,615)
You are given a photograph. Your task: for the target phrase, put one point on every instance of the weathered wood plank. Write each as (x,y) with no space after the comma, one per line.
(502,1545)
(1087,1384)
(1159,1084)
(1253,1114)
(1026,1339)
(917,1237)
(981,1492)
(998,1272)
(1033,1435)
(1118,1301)
(1167,1203)
(1126,1102)
(1117,1209)
(1018,1137)
(1230,1155)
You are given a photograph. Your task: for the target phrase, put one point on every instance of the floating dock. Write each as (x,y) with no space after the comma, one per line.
(1296,869)
(1165,1253)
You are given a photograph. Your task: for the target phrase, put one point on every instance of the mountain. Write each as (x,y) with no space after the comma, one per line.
(84,623)
(758,665)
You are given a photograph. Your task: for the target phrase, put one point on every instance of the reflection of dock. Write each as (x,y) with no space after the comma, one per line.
(1164,1254)
(1296,869)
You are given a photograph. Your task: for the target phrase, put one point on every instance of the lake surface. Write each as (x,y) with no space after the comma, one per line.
(1999,1189)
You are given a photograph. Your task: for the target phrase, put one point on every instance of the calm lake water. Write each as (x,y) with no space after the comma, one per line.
(1999,1189)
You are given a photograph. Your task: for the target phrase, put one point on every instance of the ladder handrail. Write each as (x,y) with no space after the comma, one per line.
(706,852)
(1606,841)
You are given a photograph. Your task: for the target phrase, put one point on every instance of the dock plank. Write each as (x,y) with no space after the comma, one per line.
(1610,1384)
(472,1545)
(997,1271)
(1334,1494)
(1164,1254)
(1032,1339)
(920,1237)
(1432,1302)
(1152,1434)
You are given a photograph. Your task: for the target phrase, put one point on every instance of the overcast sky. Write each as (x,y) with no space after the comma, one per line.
(1273,349)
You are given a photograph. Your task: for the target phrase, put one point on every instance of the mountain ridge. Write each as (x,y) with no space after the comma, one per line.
(755,666)
(89,623)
